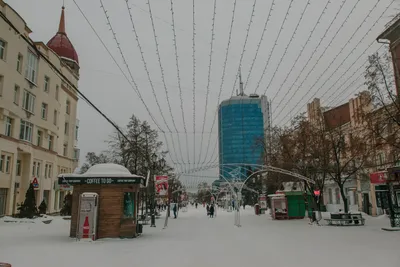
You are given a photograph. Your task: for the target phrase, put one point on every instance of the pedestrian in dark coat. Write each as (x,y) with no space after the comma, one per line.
(175,209)
(212,211)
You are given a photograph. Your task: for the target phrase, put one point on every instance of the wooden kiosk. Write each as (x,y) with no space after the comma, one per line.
(117,191)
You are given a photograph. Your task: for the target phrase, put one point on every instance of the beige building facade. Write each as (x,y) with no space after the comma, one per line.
(38,112)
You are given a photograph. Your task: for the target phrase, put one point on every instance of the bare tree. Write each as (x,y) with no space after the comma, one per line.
(349,151)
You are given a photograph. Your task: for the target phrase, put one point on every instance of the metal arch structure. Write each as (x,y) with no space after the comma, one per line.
(263,168)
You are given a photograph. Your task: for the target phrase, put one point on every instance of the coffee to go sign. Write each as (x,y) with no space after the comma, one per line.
(98,180)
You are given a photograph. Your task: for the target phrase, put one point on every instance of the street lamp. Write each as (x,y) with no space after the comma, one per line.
(156,164)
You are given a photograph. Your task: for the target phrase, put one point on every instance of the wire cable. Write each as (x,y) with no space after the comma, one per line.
(351,52)
(209,78)
(273,48)
(150,80)
(306,43)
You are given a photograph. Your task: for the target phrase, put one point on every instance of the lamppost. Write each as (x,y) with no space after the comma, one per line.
(156,164)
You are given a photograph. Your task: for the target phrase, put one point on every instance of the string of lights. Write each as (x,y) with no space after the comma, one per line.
(162,76)
(275,44)
(194,74)
(315,52)
(335,57)
(351,52)
(149,78)
(286,48)
(209,78)
(306,44)
(132,82)
(259,43)
(222,78)
(179,77)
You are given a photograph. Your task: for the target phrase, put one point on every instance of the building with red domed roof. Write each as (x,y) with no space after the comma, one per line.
(38,112)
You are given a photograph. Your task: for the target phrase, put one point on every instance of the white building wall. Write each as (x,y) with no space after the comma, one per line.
(11,106)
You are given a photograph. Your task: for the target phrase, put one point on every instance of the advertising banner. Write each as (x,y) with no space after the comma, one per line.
(87,216)
(162,185)
(378,177)
(263,201)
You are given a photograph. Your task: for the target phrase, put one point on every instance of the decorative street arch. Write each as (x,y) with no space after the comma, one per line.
(261,169)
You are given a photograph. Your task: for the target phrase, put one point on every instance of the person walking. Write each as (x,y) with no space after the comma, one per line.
(175,209)
(208,210)
(212,211)
(196,205)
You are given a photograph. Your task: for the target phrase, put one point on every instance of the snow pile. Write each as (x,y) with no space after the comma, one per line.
(195,240)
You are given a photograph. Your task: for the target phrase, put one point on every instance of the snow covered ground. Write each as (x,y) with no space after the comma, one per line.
(193,240)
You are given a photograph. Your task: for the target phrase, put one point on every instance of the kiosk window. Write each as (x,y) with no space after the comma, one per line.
(129,204)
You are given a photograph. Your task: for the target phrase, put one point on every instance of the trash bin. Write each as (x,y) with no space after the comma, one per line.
(257,209)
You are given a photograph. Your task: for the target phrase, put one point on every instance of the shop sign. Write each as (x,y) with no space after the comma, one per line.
(378,177)
(98,181)
(62,187)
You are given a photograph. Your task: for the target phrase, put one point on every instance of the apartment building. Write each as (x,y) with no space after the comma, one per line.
(38,112)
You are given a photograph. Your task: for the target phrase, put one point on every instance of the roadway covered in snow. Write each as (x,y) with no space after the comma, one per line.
(193,240)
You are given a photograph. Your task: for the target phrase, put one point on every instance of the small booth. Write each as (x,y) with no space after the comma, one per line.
(286,205)
(104,202)
(279,210)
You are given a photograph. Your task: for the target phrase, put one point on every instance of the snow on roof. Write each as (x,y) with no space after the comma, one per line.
(104,170)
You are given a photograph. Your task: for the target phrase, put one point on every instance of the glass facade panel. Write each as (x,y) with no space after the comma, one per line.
(241,124)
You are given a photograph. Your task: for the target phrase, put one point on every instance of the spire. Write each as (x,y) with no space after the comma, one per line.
(241,83)
(61,27)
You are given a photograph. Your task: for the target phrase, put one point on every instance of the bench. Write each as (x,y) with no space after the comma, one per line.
(343,219)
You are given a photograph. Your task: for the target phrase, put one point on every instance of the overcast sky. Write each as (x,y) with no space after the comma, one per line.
(334,75)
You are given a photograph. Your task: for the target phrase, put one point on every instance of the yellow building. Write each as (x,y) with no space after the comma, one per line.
(38,112)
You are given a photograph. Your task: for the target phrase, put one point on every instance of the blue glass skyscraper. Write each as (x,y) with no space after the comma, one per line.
(242,120)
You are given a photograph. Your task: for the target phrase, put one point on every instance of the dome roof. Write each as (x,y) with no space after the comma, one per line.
(108,168)
(61,44)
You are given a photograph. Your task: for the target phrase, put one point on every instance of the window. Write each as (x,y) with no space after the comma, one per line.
(1,84)
(76,132)
(39,138)
(3,46)
(9,123)
(380,160)
(66,128)
(2,158)
(26,131)
(337,195)
(8,164)
(55,117)
(28,102)
(49,171)
(45,170)
(76,153)
(50,144)
(18,167)
(31,67)
(34,168)
(19,63)
(330,199)
(46,84)
(65,150)
(57,91)
(68,107)
(44,111)
(129,204)
(37,169)
(16,95)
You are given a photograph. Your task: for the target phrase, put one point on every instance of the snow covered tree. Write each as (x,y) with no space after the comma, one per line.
(28,209)
(43,207)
